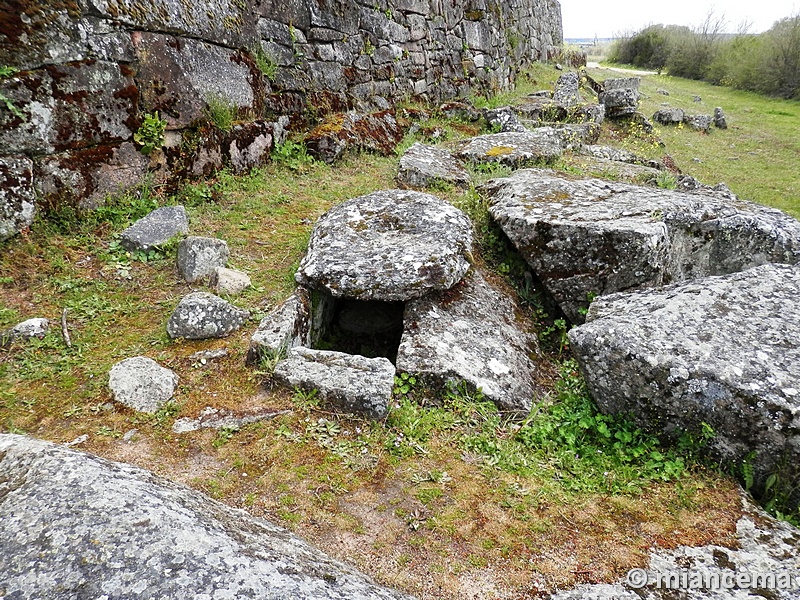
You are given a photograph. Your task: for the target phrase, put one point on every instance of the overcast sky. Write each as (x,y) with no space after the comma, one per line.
(590,18)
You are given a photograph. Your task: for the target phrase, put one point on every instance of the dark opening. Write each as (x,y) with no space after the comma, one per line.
(367,327)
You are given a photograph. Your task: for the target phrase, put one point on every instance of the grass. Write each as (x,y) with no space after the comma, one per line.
(444,493)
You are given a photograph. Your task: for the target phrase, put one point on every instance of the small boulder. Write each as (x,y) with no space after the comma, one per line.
(31,328)
(566,90)
(423,166)
(378,132)
(662,91)
(286,326)
(503,119)
(348,383)
(142,384)
(229,281)
(541,109)
(461,111)
(155,229)
(220,418)
(620,96)
(720,122)
(388,245)
(544,144)
(201,315)
(450,337)
(590,113)
(699,122)
(199,257)
(720,350)
(669,116)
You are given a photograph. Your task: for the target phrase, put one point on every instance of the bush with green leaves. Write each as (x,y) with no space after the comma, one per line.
(220,112)
(150,134)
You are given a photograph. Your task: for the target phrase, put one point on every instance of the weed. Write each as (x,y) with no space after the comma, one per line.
(404,384)
(7,71)
(666,180)
(306,399)
(265,63)
(224,436)
(220,112)
(292,155)
(150,134)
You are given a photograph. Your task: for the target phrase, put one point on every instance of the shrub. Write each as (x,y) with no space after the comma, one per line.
(150,134)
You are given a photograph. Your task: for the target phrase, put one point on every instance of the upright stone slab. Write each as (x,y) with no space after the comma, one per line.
(348,383)
(199,257)
(79,526)
(286,326)
(155,229)
(470,333)
(566,90)
(720,350)
(590,237)
(388,245)
(423,166)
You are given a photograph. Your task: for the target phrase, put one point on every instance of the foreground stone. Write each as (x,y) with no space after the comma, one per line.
(720,350)
(514,150)
(78,526)
(766,555)
(388,245)
(346,382)
(142,384)
(155,229)
(470,333)
(592,237)
(423,166)
(201,316)
(286,326)
(378,132)
(199,257)
(30,328)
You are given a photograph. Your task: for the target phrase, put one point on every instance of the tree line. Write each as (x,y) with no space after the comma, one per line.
(768,63)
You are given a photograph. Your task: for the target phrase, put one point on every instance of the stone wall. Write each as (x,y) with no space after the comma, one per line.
(89,70)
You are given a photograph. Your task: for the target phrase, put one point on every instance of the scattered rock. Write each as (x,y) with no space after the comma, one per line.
(764,547)
(201,315)
(612,169)
(348,383)
(662,91)
(514,150)
(566,90)
(590,113)
(215,418)
(542,109)
(378,132)
(199,257)
(593,237)
(461,111)
(205,356)
(78,441)
(286,326)
(575,135)
(720,122)
(697,99)
(86,527)
(619,155)
(388,245)
(129,435)
(720,350)
(229,281)
(30,328)
(699,122)
(620,96)
(503,120)
(142,384)
(450,337)
(155,229)
(669,116)
(423,166)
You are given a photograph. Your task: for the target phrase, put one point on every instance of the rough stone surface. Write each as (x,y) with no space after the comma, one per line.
(17,196)
(720,122)
(379,132)
(470,333)
(605,168)
(26,330)
(142,384)
(699,122)
(720,350)
(597,237)
(503,119)
(669,116)
(286,326)
(201,315)
(765,546)
(542,109)
(199,257)
(423,166)
(388,245)
(620,96)
(348,383)
(79,526)
(158,227)
(229,281)
(514,149)
(215,418)
(566,90)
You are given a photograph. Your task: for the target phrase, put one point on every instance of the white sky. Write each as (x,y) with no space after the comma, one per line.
(590,18)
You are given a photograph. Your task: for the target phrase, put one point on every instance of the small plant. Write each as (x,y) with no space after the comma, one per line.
(224,436)
(7,71)
(292,155)
(150,134)
(666,180)
(221,112)
(404,384)
(265,63)
(306,399)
